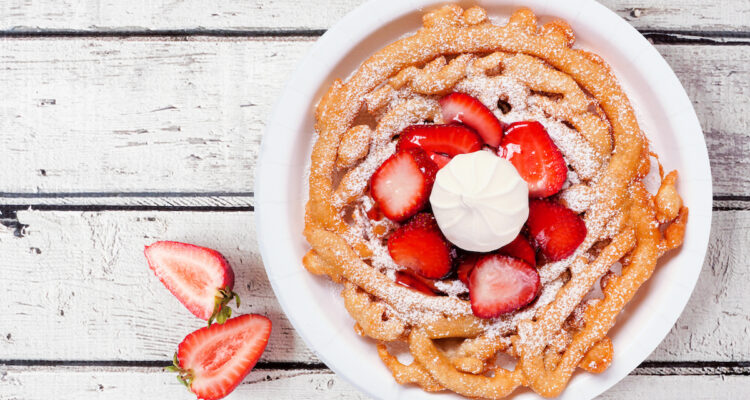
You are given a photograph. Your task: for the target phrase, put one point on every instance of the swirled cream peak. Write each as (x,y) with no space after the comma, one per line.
(479,201)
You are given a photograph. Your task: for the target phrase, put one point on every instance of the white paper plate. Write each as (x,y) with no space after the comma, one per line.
(314,306)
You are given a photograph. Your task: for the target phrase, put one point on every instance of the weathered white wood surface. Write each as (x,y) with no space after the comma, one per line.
(83,383)
(80,277)
(187,116)
(155,137)
(122,383)
(143,115)
(138,15)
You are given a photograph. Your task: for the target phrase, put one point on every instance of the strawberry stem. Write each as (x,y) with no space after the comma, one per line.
(184,376)
(222,312)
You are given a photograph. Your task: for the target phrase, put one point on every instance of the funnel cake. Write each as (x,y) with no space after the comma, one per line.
(521,72)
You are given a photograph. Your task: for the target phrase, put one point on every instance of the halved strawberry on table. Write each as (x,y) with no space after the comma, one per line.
(554,229)
(213,360)
(441,142)
(500,284)
(467,110)
(536,157)
(401,186)
(199,277)
(420,246)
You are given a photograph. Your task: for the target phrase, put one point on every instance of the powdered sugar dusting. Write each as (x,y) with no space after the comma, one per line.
(395,109)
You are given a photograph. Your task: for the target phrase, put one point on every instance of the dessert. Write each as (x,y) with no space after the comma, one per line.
(427,247)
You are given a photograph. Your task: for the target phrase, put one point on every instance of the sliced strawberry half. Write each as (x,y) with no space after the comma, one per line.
(414,282)
(536,157)
(520,248)
(401,186)
(554,229)
(420,246)
(467,110)
(199,277)
(213,360)
(500,284)
(374,213)
(466,265)
(447,140)
(439,159)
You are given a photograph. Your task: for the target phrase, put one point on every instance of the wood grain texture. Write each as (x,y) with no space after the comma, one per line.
(143,115)
(82,383)
(259,15)
(80,277)
(91,201)
(165,127)
(188,116)
(115,383)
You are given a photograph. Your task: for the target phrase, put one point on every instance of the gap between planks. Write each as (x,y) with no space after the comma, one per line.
(655,36)
(647,368)
(220,202)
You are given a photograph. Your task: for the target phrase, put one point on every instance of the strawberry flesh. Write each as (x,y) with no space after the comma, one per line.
(501,284)
(447,140)
(374,213)
(414,282)
(466,265)
(439,159)
(554,229)
(217,358)
(195,275)
(467,110)
(420,246)
(401,186)
(536,157)
(520,248)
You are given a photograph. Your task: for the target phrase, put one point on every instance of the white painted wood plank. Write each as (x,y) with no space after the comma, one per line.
(679,388)
(101,15)
(85,383)
(716,321)
(81,278)
(76,286)
(188,116)
(137,115)
(716,80)
(161,201)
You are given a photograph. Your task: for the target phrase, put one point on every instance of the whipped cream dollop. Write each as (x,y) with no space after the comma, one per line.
(479,201)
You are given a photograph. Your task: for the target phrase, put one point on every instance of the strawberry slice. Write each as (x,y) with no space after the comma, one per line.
(500,284)
(555,230)
(199,277)
(520,248)
(466,265)
(467,110)
(213,360)
(401,186)
(420,246)
(536,157)
(439,159)
(414,282)
(374,213)
(440,140)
